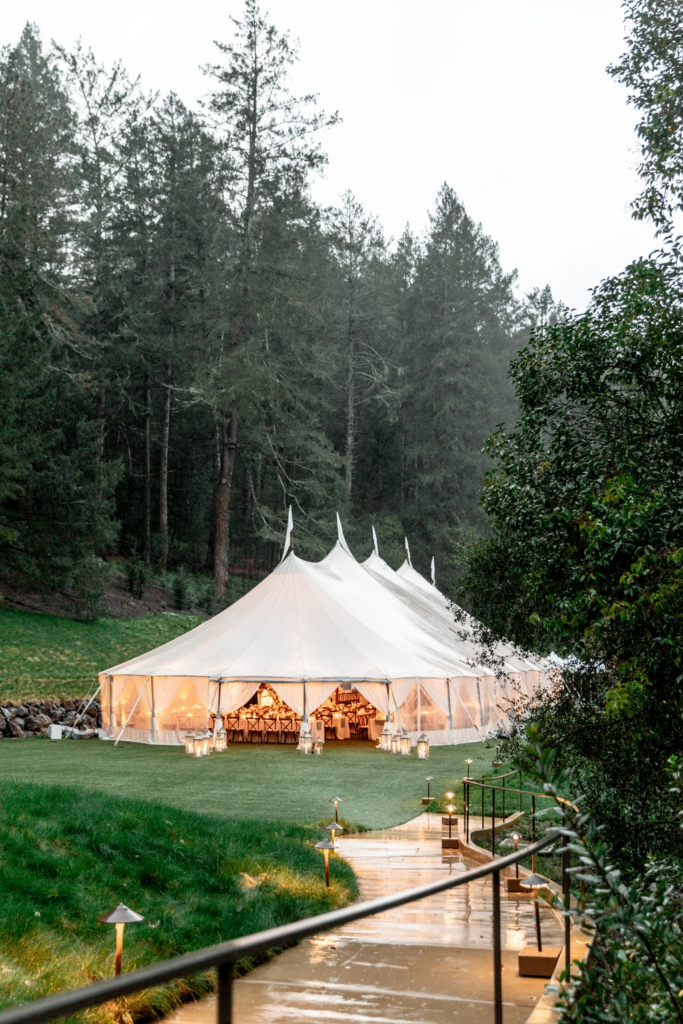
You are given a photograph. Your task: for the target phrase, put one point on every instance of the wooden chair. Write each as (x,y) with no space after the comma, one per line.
(271,730)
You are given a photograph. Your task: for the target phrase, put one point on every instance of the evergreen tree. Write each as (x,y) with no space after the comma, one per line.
(187,341)
(460,321)
(57,510)
(270,148)
(361,321)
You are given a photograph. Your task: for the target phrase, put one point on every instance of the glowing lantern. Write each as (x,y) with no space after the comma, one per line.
(423,746)
(189,743)
(305,739)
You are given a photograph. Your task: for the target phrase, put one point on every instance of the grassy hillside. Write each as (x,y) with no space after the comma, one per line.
(69,856)
(249,781)
(47,656)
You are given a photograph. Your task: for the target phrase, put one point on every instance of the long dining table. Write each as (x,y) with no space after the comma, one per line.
(262,729)
(259,728)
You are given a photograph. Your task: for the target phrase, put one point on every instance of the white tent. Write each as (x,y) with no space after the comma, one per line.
(528,671)
(306,629)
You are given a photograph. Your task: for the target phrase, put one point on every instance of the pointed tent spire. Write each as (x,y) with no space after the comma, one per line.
(289,534)
(433,572)
(407,545)
(341,538)
(375,545)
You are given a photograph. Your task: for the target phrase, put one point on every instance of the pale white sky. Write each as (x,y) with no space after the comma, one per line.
(507,100)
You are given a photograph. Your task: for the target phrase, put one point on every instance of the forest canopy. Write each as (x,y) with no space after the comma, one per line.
(189,343)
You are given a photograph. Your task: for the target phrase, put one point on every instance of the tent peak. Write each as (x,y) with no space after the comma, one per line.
(374,542)
(407,547)
(341,539)
(289,535)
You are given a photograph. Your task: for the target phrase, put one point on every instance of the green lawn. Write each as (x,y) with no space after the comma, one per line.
(47,656)
(68,856)
(250,781)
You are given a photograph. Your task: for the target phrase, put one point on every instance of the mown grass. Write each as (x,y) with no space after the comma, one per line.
(48,657)
(249,781)
(67,856)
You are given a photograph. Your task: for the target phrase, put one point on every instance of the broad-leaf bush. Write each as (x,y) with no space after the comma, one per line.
(634,971)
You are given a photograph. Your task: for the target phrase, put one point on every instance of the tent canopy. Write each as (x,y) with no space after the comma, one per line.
(306,621)
(390,634)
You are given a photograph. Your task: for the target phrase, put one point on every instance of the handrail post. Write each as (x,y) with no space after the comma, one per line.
(520,790)
(467,817)
(497,958)
(565,893)
(224,994)
(482,790)
(493,821)
(465,807)
(533,830)
(503,798)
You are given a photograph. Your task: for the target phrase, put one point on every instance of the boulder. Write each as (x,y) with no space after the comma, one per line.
(31,724)
(16,729)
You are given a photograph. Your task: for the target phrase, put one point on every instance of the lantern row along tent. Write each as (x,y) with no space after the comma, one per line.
(309,628)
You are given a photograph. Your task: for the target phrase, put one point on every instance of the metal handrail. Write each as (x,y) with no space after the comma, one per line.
(508,789)
(499,778)
(483,786)
(225,954)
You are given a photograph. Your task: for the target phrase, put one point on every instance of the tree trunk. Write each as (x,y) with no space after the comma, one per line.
(220,556)
(403,471)
(163,471)
(147,474)
(350,420)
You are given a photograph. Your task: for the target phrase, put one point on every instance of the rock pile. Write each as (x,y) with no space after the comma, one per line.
(35,719)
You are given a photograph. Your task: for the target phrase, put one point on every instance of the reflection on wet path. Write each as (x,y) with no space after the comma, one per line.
(428,963)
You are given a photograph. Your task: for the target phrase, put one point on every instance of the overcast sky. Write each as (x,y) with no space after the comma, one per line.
(507,100)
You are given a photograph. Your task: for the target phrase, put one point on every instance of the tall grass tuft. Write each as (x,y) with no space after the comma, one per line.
(67,856)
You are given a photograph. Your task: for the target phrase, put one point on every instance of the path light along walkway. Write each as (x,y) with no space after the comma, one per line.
(428,962)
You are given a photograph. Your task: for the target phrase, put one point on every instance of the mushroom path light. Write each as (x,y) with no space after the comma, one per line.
(336,800)
(326,846)
(333,827)
(120,916)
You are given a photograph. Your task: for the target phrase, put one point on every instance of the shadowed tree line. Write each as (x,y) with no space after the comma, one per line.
(189,343)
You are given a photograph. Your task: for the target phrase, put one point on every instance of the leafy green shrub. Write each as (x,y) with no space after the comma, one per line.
(91,582)
(618,762)
(181,588)
(138,577)
(635,972)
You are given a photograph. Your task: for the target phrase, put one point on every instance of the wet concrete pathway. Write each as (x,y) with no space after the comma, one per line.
(430,962)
